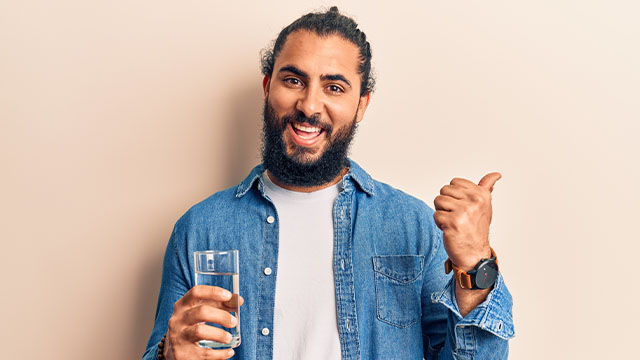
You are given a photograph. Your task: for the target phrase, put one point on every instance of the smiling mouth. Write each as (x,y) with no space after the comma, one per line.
(306,132)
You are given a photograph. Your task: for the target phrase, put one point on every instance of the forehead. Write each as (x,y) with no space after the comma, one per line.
(319,55)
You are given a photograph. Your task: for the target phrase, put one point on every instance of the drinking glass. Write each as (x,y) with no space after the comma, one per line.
(220,268)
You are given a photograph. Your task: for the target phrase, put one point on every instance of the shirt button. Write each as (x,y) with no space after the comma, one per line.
(267,271)
(270,219)
(265,331)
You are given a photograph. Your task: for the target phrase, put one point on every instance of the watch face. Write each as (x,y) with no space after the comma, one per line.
(486,275)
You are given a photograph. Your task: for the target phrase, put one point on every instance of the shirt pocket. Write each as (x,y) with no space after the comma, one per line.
(398,286)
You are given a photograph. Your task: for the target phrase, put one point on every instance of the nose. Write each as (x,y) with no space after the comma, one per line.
(310,103)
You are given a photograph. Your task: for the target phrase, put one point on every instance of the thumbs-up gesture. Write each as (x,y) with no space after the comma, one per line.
(463,213)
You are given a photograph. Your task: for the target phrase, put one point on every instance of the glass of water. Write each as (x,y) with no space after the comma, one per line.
(221,269)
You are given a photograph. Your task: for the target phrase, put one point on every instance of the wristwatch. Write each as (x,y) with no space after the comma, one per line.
(483,275)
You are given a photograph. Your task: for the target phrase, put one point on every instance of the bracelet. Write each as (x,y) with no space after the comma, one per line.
(161,347)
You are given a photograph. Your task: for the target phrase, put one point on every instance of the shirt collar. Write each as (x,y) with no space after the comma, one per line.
(355,175)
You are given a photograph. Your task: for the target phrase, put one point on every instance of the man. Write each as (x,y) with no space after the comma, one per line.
(359,265)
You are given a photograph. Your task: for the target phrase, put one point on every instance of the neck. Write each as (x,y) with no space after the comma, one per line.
(308,189)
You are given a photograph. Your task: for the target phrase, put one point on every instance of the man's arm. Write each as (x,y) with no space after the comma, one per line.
(182,312)
(479,322)
(463,212)
(174,284)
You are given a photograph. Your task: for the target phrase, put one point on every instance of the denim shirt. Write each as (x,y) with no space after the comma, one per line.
(393,298)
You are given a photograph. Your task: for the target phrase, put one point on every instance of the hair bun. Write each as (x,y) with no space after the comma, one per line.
(334,9)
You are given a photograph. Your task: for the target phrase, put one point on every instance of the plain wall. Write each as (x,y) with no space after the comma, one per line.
(117,116)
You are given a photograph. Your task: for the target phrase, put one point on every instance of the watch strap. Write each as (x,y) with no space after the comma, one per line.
(463,277)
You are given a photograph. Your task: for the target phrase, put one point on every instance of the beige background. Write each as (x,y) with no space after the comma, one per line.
(117,116)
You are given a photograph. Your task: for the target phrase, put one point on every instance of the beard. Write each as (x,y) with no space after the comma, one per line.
(299,168)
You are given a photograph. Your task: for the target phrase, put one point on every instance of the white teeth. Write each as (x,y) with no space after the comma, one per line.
(306,128)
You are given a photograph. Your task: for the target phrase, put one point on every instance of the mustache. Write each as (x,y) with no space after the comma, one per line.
(300,117)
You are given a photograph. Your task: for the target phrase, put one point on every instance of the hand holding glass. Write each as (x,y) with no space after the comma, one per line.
(221,269)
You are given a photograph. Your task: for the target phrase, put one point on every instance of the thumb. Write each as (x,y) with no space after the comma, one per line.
(489,180)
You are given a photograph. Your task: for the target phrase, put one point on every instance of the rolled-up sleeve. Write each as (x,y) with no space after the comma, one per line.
(485,331)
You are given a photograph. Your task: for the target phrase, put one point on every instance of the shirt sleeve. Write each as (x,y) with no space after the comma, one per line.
(485,331)
(482,334)
(173,286)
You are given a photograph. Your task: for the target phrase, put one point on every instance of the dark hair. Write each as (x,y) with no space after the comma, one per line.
(324,24)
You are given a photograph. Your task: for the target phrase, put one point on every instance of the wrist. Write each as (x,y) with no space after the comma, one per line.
(164,348)
(481,276)
(161,347)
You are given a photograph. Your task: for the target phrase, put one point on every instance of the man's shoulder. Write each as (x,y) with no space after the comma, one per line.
(225,203)
(400,216)
(386,195)
(216,206)
(393,196)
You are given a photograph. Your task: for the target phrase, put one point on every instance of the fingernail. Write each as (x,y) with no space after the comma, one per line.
(226,293)
(230,352)
(233,320)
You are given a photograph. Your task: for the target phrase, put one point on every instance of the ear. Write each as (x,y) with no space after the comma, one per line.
(266,81)
(362,105)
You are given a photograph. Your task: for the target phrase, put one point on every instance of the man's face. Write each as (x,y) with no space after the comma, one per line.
(313,98)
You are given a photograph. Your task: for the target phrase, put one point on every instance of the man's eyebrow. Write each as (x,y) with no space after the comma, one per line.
(335,77)
(302,74)
(295,70)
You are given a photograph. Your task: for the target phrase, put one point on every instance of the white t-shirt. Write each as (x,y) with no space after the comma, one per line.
(305,321)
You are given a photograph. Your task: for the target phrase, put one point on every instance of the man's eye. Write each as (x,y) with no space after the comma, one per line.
(292,81)
(335,89)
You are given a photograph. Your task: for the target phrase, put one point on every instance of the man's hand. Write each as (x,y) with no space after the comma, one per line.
(463,213)
(187,323)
